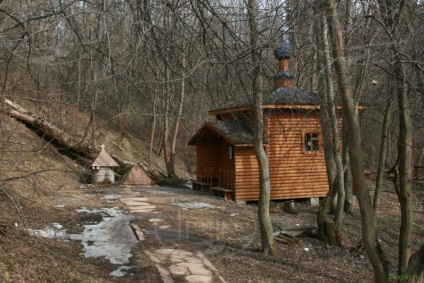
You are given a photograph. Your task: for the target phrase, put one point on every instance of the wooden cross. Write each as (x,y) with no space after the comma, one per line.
(103,147)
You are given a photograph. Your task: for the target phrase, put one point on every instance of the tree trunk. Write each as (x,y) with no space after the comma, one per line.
(178,118)
(331,148)
(416,265)
(348,205)
(336,138)
(268,246)
(405,172)
(165,138)
(152,133)
(368,220)
(383,152)
(324,87)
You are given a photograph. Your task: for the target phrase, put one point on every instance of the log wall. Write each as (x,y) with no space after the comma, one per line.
(247,174)
(225,161)
(207,155)
(213,155)
(294,172)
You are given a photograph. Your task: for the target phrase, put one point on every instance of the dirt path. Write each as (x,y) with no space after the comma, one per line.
(173,263)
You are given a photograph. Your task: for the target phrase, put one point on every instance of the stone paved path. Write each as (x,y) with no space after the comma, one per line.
(171,263)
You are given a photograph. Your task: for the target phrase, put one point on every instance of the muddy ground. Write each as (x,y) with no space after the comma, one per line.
(226,232)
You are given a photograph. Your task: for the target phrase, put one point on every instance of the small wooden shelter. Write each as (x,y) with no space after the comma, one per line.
(225,158)
(137,177)
(102,167)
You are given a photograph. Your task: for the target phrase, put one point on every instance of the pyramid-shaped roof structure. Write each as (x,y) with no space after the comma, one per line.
(104,160)
(137,176)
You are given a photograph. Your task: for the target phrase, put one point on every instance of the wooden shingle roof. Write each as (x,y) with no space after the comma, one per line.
(280,97)
(291,96)
(235,132)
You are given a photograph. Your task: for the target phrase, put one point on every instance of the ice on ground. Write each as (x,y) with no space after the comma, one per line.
(121,271)
(110,211)
(195,205)
(111,197)
(111,238)
(54,232)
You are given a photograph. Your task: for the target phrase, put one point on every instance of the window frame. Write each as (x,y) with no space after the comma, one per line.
(231,152)
(317,139)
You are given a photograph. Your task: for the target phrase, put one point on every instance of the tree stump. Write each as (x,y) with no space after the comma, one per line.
(290,207)
(330,231)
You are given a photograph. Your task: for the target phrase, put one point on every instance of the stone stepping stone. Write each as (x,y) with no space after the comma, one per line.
(141,209)
(130,194)
(194,267)
(178,270)
(141,204)
(133,199)
(164,274)
(198,278)
(198,269)
(152,257)
(164,226)
(138,205)
(164,251)
(182,253)
(156,220)
(138,232)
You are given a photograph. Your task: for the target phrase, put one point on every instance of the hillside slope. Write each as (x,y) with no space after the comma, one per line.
(37,184)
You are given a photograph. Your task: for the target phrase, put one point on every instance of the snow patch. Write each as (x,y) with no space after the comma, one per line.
(111,238)
(194,205)
(54,232)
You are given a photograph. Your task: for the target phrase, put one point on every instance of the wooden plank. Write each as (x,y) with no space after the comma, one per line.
(222,189)
(293,173)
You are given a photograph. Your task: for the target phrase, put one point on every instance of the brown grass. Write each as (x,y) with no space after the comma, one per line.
(227,235)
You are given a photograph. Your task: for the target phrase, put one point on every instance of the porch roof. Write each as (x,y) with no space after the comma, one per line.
(234,132)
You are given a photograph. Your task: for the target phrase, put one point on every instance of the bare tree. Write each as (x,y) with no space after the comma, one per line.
(268,246)
(329,118)
(368,217)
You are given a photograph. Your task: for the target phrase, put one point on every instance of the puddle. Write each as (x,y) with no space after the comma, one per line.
(111,238)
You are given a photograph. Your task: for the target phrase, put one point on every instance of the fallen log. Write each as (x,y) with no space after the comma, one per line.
(294,232)
(300,228)
(45,129)
(285,240)
(62,140)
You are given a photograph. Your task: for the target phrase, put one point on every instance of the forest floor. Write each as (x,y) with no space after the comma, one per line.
(225,232)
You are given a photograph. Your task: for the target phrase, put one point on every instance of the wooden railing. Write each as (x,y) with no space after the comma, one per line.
(205,179)
(226,184)
(226,179)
